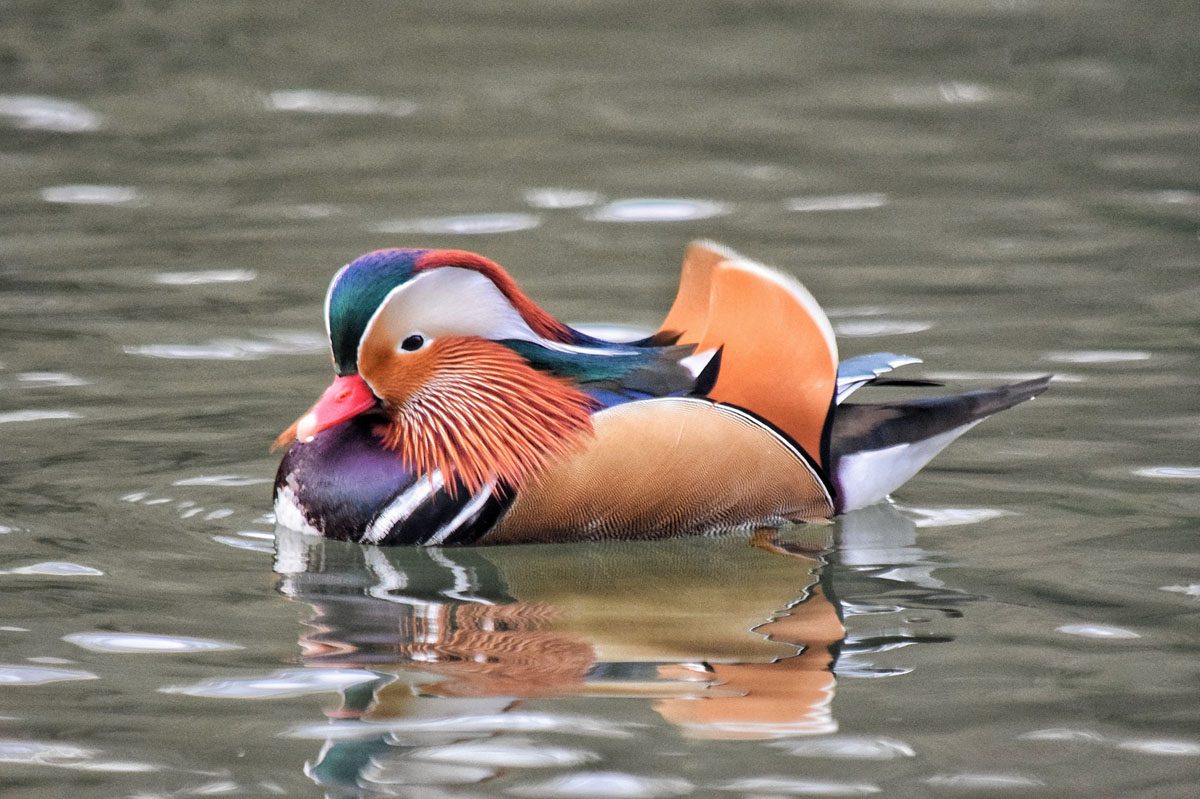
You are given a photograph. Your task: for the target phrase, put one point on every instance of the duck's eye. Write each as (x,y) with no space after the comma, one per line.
(413,343)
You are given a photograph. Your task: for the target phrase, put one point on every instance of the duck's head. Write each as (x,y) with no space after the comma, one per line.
(435,344)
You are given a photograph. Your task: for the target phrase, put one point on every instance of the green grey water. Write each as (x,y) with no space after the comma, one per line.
(1002,188)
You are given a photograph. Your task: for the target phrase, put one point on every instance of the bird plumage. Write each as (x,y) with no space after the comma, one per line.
(462,412)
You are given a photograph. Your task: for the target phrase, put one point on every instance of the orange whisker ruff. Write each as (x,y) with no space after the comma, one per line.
(486,415)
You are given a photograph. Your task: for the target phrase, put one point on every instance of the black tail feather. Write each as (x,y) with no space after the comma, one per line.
(859,427)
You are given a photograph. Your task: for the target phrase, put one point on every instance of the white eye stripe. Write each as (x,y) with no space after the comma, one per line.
(448,301)
(453,301)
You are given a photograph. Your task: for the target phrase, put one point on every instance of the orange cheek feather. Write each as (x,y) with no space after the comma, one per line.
(474,408)
(393,376)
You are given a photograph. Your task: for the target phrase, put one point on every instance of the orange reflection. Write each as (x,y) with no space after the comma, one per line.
(725,639)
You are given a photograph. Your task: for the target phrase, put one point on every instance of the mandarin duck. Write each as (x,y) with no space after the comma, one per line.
(463,413)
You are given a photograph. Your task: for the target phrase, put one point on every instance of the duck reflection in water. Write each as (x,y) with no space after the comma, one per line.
(724,639)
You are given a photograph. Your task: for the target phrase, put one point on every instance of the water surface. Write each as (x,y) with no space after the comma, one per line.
(1004,189)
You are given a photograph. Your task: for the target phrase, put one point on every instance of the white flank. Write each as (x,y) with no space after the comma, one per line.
(402,507)
(867,477)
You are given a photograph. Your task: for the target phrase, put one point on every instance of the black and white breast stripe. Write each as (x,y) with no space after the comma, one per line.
(425,514)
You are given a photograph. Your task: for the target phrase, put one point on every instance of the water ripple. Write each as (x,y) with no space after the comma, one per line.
(145,643)
(507,753)
(983,782)
(265,547)
(1012,377)
(1062,734)
(48,113)
(1171,472)
(647,209)
(493,723)
(236,349)
(865,671)
(90,195)
(866,328)
(205,276)
(34,415)
(951,91)
(1097,631)
(280,685)
(550,198)
(848,747)
(313,101)
(56,569)
(56,379)
(609,784)
(790,786)
(951,517)
(1096,356)
(40,675)
(234,480)
(386,771)
(464,225)
(1149,746)
(838,202)
(43,753)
